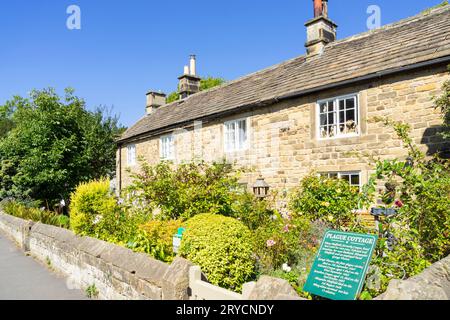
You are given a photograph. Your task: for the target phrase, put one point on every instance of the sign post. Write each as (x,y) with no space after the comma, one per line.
(177,239)
(341,265)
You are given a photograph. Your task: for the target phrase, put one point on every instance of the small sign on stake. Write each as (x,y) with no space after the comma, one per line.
(341,265)
(177,239)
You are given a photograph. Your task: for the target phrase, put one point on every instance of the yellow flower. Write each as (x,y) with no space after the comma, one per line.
(330,218)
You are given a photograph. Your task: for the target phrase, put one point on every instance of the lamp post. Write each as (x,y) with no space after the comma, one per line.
(261,188)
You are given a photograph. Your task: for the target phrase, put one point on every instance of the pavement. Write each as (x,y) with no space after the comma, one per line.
(23,278)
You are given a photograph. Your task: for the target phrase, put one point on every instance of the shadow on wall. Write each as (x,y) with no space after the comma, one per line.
(435,142)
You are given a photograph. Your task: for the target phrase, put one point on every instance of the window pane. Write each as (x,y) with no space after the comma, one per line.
(323,107)
(345,177)
(350,115)
(331,118)
(330,106)
(341,104)
(323,119)
(342,117)
(242,134)
(350,103)
(355,180)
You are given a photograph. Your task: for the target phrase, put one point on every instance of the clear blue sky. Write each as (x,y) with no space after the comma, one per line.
(127,47)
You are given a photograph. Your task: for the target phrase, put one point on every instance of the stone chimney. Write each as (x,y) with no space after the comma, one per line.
(189,81)
(320,30)
(154,101)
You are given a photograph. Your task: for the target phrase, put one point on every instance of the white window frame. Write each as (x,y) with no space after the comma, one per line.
(162,152)
(343,173)
(336,117)
(246,144)
(131,155)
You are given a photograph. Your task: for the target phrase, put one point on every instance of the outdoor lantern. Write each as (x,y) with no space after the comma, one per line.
(261,188)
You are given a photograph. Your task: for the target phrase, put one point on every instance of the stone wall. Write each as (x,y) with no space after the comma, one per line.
(431,284)
(121,274)
(283,140)
(116,272)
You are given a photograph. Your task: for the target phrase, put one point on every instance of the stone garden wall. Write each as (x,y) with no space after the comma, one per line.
(432,284)
(121,274)
(116,272)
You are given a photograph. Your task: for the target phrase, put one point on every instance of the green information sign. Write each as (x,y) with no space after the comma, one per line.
(340,267)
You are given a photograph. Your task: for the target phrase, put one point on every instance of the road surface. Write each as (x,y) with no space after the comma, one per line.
(23,278)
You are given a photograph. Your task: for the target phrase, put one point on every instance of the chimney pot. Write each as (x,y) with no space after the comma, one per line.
(193,65)
(320,30)
(155,100)
(318,8)
(189,82)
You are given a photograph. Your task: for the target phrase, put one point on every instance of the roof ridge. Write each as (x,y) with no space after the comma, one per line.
(421,15)
(310,73)
(228,83)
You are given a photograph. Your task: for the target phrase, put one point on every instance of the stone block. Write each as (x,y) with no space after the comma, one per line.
(176,280)
(267,288)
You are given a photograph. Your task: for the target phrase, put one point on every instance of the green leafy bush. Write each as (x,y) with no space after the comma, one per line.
(253,212)
(89,203)
(185,190)
(286,248)
(421,194)
(23,211)
(95,212)
(222,247)
(156,239)
(330,200)
(418,235)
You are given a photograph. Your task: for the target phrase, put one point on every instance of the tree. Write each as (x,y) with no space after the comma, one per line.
(205,84)
(54,145)
(6,123)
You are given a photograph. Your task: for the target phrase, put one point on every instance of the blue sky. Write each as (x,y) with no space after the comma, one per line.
(125,48)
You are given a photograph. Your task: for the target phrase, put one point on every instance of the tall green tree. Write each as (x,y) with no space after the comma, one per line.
(55,143)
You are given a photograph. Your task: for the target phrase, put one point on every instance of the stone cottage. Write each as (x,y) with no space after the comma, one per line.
(314,112)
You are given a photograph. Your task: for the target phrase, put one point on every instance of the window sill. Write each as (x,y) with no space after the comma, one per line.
(356,135)
(236,151)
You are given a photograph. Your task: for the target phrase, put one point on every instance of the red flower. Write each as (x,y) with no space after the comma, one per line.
(399,203)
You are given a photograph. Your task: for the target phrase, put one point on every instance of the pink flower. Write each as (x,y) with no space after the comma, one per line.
(286,228)
(270,243)
(399,203)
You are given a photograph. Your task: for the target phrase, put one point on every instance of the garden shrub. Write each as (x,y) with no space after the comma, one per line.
(156,239)
(286,248)
(95,212)
(171,192)
(253,212)
(26,212)
(418,235)
(89,203)
(329,200)
(222,247)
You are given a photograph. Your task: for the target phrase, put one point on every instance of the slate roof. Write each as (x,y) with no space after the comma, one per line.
(421,38)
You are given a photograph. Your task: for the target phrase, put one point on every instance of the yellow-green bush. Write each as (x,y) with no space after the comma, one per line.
(156,238)
(22,211)
(222,247)
(89,204)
